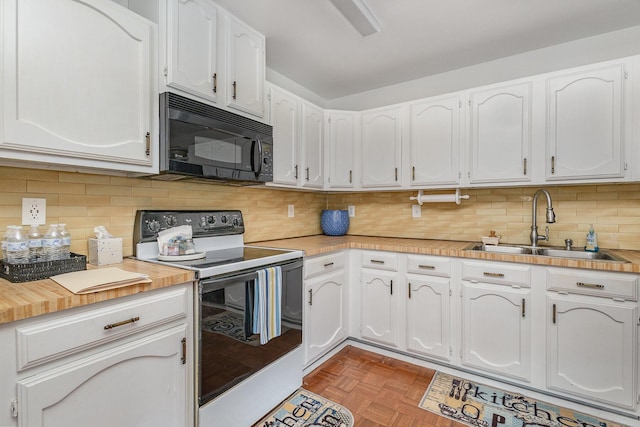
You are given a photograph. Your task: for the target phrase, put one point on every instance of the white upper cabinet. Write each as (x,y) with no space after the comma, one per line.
(500,134)
(312,145)
(192,47)
(341,138)
(381,147)
(586,123)
(79,85)
(285,119)
(434,141)
(245,67)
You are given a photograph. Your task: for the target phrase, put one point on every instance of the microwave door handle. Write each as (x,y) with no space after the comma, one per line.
(258,167)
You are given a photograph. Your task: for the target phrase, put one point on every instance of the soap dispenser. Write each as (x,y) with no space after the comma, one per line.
(592,241)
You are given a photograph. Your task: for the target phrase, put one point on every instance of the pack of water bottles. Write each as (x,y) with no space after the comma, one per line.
(27,254)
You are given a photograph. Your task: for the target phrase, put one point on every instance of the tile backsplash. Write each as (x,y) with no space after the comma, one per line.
(84,201)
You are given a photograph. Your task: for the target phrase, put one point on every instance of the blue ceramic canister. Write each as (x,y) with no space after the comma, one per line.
(334,222)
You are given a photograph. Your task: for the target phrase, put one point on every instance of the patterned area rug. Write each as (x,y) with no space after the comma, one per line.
(479,405)
(306,409)
(230,324)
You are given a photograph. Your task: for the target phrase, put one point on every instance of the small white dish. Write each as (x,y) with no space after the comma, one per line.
(189,257)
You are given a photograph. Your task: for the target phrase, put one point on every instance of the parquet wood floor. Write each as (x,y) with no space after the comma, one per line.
(378,390)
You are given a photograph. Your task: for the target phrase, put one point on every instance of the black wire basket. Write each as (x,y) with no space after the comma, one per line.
(29,271)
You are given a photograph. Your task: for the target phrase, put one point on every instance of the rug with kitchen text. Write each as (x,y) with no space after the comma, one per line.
(231,324)
(479,405)
(306,409)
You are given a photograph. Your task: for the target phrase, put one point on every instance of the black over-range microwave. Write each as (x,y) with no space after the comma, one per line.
(202,141)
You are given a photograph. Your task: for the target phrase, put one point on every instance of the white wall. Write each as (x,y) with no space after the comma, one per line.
(604,47)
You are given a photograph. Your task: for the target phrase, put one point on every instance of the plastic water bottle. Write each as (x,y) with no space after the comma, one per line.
(51,244)
(18,247)
(65,249)
(35,244)
(5,238)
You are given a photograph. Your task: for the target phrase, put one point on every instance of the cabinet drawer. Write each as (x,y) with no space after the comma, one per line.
(49,340)
(323,264)
(380,260)
(496,272)
(431,265)
(611,285)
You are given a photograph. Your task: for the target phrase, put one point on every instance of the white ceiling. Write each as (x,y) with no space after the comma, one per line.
(311,43)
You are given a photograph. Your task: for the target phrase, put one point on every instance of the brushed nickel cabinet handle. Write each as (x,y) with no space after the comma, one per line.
(329,264)
(553,315)
(184,351)
(376,261)
(350,177)
(427,267)
(296,169)
(523,307)
(124,322)
(234,89)
(590,285)
(215,82)
(413,173)
(489,274)
(409,286)
(396,173)
(147,150)
(391,287)
(553,164)
(310,296)
(307,174)
(525,166)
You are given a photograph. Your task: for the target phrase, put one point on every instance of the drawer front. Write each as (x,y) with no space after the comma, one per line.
(497,272)
(380,260)
(323,264)
(610,285)
(49,340)
(430,265)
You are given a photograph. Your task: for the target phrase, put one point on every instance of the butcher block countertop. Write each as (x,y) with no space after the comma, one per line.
(23,300)
(320,244)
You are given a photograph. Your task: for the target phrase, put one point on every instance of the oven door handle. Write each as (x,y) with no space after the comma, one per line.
(214,284)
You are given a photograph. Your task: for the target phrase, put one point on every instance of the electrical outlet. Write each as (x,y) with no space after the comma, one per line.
(34,211)
(352,211)
(290,211)
(416,211)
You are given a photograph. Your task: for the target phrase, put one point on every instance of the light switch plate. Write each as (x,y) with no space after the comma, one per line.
(34,211)
(290,211)
(416,211)
(352,211)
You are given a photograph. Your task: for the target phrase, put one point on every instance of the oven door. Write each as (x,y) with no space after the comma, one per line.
(228,350)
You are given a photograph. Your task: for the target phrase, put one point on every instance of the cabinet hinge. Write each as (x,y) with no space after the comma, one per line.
(469,103)
(450,293)
(639,321)
(13,408)
(626,75)
(625,165)
(165,71)
(459,104)
(451,351)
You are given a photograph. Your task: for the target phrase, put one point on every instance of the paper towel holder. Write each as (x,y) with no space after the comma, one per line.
(431,198)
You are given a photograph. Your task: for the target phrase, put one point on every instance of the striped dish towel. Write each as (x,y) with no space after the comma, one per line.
(267,304)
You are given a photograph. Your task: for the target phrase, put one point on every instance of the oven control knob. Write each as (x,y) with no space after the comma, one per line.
(236,222)
(211,219)
(224,219)
(153,225)
(170,220)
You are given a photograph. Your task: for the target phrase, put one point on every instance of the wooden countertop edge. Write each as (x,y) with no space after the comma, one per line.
(24,300)
(320,244)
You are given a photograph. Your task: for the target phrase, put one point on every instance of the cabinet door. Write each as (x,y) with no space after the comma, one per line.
(245,68)
(79,84)
(585,333)
(585,124)
(192,49)
(496,329)
(284,119)
(500,134)
(379,307)
(324,325)
(312,145)
(434,142)
(342,140)
(142,383)
(381,148)
(428,316)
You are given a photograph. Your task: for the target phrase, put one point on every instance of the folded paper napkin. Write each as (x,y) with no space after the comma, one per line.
(100,279)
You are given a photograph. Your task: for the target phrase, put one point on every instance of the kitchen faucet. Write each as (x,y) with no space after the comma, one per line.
(551,217)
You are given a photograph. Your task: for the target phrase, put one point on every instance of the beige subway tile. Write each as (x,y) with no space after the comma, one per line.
(130,201)
(29,174)
(55,187)
(130,182)
(83,178)
(83,200)
(13,186)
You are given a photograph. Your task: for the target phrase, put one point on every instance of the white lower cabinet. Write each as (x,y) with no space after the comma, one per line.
(592,341)
(379,297)
(325,325)
(125,362)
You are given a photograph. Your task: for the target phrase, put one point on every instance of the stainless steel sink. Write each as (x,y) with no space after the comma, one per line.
(553,252)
